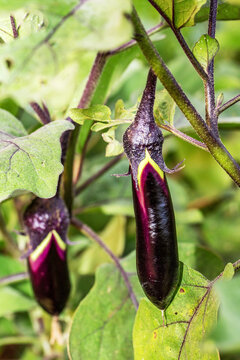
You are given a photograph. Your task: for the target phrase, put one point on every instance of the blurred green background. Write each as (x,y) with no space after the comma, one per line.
(206,202)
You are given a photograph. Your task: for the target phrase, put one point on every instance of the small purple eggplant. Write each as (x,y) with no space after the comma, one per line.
(46,222)
(156,249)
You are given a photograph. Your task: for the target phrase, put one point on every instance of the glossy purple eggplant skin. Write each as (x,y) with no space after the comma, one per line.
(156,247)
(48,219)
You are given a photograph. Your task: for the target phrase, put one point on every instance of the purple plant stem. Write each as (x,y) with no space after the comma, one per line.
(42,114)
(181,41)
(13,278)
(211,117)
(85,100)
(88,231)
(14,28)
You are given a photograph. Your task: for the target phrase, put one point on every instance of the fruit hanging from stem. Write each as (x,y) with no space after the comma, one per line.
(158,267)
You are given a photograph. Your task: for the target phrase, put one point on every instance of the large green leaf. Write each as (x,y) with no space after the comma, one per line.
(227,10)
(105,23)
(27,161)
(12,300)
(226,333)
(191,314)
(180,12)
(102,324)
(201,259)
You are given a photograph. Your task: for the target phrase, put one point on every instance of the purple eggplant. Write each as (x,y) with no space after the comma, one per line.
(46,222)
(156,249)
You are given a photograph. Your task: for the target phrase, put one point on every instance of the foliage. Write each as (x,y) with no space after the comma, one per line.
(48,62)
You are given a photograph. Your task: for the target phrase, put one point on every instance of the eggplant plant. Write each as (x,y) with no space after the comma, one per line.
(73,92)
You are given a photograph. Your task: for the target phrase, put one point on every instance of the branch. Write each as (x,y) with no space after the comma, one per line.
(14,28)
(213,143)
(211,117)
(87,95)
(90,233)
(197,66)
(133,42)
(183,136)
(13,278)
(42,113)
(228,104)
(98,174)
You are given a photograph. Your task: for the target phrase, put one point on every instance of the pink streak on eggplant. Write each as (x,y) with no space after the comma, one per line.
(50,278)
(156,250)
(49,272)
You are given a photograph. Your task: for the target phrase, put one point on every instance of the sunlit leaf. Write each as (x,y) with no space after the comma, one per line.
(192,313)
(182,13)
(100,113)
(102,324)
(27,161)
(205,50)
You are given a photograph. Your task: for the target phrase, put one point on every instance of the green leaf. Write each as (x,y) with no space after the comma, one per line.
(114,147)
(13,301)
(114,237)
(226,333)
(100,113)
(10,124)
(105,23)
(227,10)
(102,324)
(205,50)
(26,162)
(182,12)
(201,259)
(192,313)
(164,107)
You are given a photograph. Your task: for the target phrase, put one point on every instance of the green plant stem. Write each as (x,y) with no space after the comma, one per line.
(90,87)
(228,104)
(216,148)
(90,233)
(197,66)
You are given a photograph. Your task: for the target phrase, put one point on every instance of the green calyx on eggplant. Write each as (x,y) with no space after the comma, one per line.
(46,222)
(158,266)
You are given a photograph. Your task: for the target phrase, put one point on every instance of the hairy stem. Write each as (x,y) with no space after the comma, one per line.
(228,104)
(98,174)
(90,233)
(197,66)
(213,143)
(211,117)
(14,27)
(183,136)
(90,87)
